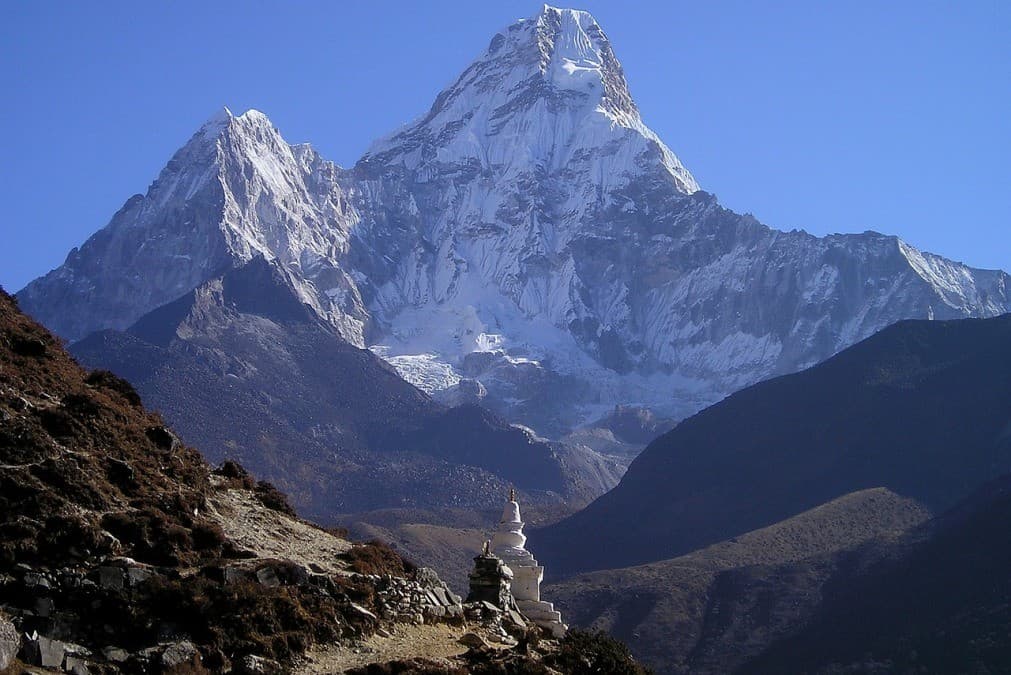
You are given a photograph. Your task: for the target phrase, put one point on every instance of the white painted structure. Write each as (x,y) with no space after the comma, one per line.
(508,544)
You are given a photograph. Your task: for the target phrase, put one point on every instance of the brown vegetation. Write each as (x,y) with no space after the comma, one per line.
(377,557)
(87,476)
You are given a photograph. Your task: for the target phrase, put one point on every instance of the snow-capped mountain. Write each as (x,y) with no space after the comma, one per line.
(528,242)
(234,191)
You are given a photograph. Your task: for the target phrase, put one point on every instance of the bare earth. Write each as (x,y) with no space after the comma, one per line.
(437,643)
(274,535)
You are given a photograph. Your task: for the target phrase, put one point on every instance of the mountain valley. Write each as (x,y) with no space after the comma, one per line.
(737,448)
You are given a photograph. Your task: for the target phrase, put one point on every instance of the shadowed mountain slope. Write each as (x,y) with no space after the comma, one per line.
(712,609)
(943,606)
(920,408)
(247,371)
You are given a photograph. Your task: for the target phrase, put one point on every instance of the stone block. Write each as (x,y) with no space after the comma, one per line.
(115,654)
(10,641)
(268,577)
(472,640)
(258,665)
(39,650)
(75,665)
(111,578)
(137,575)
(180,655)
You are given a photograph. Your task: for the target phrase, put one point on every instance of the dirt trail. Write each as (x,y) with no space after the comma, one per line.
(437,643)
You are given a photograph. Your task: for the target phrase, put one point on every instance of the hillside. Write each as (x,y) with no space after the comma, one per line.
(919,409)
(241,367)
(121,550)
(943,607)
(711,610)
(109,533)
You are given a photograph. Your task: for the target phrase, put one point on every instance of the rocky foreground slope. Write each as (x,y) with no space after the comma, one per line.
(121,550)
(528,243)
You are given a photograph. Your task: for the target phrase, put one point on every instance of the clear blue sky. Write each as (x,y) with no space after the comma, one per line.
(831,117)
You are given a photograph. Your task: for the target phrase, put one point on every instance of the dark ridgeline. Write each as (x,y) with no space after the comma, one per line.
(920,408)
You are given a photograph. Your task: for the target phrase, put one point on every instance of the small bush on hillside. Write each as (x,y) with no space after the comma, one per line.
(586,653)
(377,557)
(106,379)
(208,536)
(273,498)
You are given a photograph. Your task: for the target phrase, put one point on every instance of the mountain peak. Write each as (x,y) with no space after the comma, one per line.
(548,94)
(222,115)
(224,119)
(216,123)
(576,55)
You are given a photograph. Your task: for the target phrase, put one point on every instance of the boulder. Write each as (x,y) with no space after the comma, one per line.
(472,640)
(111,578)
(268,577)
(115,654)
(182,656)
(137,575)
(75,665)
(163,438)
(10,642)
(258,665)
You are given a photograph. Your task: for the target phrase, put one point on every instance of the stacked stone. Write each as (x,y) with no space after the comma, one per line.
(491,581)
(33,612)
(10,642)
(426,599)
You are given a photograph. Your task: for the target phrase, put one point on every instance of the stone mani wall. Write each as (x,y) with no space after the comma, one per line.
(37,601)
(425,599)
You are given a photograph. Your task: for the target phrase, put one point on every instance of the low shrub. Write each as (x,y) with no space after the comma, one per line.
(105,379)
(377,557)
(586,652)
(272,498)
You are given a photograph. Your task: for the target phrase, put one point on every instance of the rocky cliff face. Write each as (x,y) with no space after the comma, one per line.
(528,243)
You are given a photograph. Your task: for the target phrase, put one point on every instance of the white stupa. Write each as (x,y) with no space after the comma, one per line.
(507,544)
